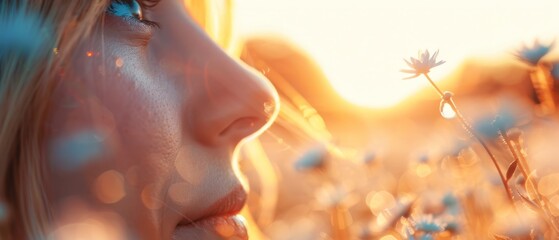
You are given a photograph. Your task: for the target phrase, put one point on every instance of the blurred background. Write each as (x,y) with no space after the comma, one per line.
(359,153)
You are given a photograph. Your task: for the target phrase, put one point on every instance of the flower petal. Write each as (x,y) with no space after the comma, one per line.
(422,64)
(433,59)
(425,56)
(438,64)
(414,76)
(408,71)
(409,63)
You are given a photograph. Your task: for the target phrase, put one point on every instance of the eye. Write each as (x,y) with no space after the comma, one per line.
(130,9)
(126,8)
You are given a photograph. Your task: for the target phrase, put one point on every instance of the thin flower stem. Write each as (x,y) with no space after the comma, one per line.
(523,163)
(338,212)
(470,130)
(515,155)
(515,149)
(338,219)
(441,94)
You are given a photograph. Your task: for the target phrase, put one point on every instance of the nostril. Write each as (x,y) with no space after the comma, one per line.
(253,123)
(229,111)
(242,127)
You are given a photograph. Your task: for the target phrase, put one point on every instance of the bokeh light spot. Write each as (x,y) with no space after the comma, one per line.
(87,230)
(378,201)
(119,62)
(224,229)
(423,170)
(97,226)
(133,176)
(109,187)
(554,201)
(74,151)
(548,184)
(149,197)
(178,192)
(184,168)
(388,237)
(79,231)
(3,212)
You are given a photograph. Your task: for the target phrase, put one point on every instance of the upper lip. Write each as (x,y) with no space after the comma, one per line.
(229,205)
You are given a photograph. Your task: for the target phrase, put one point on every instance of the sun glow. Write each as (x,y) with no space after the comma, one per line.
(360,44)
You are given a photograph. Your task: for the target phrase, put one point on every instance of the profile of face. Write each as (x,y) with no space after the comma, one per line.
(143,126)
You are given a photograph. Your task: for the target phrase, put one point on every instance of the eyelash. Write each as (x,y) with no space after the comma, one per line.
(149,23)
(143,5)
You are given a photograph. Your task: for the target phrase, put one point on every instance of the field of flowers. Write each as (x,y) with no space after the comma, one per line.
(484,167)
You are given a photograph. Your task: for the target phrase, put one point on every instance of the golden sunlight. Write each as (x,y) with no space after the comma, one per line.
(360,43)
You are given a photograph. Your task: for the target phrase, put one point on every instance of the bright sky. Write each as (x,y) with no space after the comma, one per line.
(360,43)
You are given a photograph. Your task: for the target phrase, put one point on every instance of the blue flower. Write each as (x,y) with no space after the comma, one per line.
(452,226)
(369,158)
(489,127)
(312,159)
(555,71)
(451,203)
(422,64)
(423,158)
(409,234)
(485,127)
(505,120)
(428,224)
(532,55)
(24,32)
(426,237)
(3,212)
(77,150)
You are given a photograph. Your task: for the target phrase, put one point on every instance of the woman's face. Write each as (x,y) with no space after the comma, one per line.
(142,128)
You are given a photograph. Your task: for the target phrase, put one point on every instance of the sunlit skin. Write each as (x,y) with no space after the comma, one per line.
(168,107)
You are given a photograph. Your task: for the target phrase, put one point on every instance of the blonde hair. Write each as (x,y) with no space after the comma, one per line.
(41,36)
(216,18)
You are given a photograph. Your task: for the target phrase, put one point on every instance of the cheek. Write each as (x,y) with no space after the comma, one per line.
(111,133)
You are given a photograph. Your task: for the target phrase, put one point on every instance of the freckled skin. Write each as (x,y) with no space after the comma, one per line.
(175,98)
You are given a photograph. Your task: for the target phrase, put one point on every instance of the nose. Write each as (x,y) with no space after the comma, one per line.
(226,101)
(231,102)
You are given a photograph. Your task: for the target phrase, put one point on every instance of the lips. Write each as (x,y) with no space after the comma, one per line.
(219,221)
(226,227)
